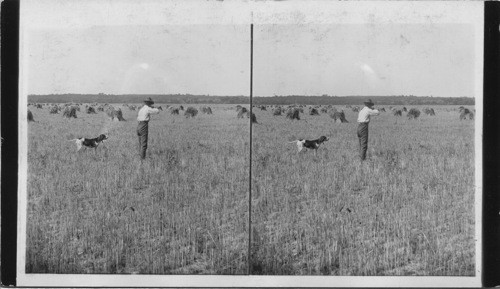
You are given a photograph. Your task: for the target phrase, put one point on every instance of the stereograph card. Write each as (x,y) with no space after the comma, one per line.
(250,143)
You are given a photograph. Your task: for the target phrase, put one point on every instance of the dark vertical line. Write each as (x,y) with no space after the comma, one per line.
(9,130)
(250,162)
(491,143)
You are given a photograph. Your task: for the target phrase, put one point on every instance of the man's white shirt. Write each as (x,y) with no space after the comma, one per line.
(365,113)
(145,112)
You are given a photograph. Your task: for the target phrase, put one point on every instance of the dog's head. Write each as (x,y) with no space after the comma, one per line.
(102,137)
(323,139)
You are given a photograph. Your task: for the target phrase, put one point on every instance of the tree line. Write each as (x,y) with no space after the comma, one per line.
(257,100)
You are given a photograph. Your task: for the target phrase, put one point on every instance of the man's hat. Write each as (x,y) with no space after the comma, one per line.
(149,100)
(369,102)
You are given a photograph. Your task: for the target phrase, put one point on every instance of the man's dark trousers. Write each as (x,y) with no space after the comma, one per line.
(363,139)
(142,133)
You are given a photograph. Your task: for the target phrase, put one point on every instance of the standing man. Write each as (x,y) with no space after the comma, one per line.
(363,120)
(142,128)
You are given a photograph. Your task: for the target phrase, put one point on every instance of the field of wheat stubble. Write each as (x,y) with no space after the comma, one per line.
(182,211)
(408,210)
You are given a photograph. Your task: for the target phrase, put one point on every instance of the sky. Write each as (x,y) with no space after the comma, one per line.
(196,59)
(363,59)
(424,59)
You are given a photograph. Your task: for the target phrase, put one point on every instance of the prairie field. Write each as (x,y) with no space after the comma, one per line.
(407,210)
(183,210)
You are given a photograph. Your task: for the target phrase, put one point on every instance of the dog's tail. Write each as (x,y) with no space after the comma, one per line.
(73,139)
(293,141)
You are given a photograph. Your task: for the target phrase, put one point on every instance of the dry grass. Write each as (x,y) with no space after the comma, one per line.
(409,210)
(190,112)
(183,211)
(115,113)
(293,113)
(30,116)
(70,112)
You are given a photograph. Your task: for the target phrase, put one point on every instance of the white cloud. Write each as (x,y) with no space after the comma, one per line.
(367,69)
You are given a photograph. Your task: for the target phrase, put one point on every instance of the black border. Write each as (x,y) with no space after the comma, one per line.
(491,143)
(9,132)
(10,149)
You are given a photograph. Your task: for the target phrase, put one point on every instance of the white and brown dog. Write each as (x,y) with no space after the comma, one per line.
(89,142)
(309,144)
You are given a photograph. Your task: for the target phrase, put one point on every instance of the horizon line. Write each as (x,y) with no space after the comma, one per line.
(289,95)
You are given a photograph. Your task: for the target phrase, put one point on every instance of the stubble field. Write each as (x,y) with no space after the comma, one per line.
(182,211)
(408,210)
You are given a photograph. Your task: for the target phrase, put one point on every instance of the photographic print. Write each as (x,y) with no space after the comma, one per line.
(250,143)
(364,151)
(138,149)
